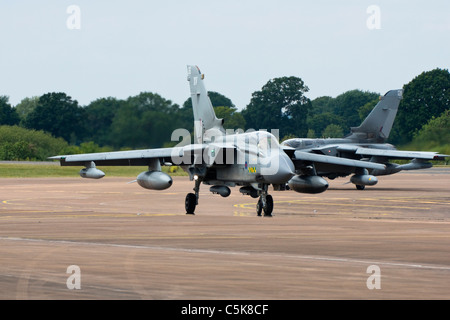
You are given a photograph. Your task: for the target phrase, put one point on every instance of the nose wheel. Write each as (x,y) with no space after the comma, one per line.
(265,203)
(190,203)
(191,200)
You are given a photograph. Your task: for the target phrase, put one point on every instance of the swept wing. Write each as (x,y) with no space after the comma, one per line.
(399,154)
(127,158)
(313,157)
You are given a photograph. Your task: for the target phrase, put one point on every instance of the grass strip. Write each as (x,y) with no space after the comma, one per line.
(42,170)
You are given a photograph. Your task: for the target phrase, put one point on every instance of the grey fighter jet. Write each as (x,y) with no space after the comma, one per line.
(365,143)
(252,160)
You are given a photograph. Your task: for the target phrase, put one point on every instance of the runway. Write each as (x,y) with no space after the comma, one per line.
(133,243)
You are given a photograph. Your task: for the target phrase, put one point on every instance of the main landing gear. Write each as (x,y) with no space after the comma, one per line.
(265,203)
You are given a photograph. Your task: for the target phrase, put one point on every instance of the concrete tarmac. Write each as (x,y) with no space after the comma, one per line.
(390,241)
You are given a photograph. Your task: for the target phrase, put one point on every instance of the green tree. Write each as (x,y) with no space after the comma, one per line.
(321,105)
(59,115)
(144,121)
(86,147)
(319,122)
(434,135)
(98,120)
(25,107)
(311,134)
(17,143)
(333,131)
(218,99)
(425,96)
(347,105)
(8,114)
(232,118)
(280,104)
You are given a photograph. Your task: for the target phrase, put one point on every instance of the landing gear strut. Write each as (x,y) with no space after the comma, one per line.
(192,198)
(265,203)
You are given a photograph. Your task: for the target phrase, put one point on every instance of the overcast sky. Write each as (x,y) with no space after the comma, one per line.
(121,48)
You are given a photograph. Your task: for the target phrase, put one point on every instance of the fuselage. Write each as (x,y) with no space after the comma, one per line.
(244,158)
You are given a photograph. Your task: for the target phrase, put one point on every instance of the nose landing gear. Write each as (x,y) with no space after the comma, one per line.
(265,203)
(191,200)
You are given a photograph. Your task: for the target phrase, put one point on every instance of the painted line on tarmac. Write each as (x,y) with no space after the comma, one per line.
(355,204)
(236,253)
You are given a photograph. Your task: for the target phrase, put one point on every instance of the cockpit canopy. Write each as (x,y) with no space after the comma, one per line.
(300,143)
(261,143)
(266,143)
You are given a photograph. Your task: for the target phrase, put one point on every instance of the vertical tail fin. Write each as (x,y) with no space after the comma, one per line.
(378,124)
(204,116)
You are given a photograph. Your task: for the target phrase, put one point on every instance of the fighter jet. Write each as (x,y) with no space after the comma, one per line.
(252,160)
(365,143)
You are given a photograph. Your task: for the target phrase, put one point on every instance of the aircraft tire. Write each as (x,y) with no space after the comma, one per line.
(259,208)
(360,186)
(269,206)
(190,203)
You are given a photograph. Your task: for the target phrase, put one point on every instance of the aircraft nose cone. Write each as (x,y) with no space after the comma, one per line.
(280,170)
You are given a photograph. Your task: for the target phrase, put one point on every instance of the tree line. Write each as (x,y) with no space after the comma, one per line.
(147,120)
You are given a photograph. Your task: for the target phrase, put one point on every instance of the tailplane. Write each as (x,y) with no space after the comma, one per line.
(378,124)
(204,116)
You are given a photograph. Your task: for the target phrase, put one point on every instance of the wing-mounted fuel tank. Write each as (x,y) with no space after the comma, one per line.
(308,184)
(416,164)
(364,180)
(154,180)
(91,172)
